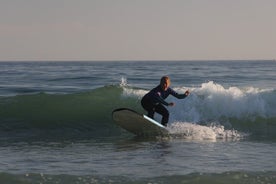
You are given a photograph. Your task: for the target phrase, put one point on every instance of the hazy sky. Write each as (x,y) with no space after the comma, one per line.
(137,29)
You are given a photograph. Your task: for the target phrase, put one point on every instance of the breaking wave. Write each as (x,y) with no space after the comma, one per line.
(210,112)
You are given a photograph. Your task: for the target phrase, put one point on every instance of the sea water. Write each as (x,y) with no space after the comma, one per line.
(56,125)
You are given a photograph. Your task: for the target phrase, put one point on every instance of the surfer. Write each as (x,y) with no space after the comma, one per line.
(154,100)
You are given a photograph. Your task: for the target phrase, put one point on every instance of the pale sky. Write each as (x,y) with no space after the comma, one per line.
(137,29)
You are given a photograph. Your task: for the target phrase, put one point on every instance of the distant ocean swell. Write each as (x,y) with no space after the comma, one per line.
(223,111)
(208,178)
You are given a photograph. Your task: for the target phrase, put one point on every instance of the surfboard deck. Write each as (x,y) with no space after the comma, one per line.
(138,124)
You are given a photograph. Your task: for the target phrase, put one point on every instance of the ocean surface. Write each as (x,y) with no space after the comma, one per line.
(56,124)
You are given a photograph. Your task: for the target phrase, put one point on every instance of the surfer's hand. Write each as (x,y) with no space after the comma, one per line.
(171,104)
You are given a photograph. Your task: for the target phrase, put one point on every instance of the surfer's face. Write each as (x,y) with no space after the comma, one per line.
(165,85)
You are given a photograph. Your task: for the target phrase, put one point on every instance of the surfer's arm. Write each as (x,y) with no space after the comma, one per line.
(158,99)
(179,96)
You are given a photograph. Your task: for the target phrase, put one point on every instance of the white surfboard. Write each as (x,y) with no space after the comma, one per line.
(138,124)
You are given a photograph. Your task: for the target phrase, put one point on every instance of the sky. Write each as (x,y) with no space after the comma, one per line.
(137,30)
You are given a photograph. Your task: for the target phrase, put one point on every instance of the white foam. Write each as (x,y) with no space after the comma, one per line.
(213,102)
(128,91)
(136,93)
(123,82)
(197,132)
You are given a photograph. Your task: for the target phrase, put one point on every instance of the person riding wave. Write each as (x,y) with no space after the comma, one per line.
(154,101)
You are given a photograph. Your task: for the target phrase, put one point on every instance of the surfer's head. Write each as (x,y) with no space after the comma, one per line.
(165,82)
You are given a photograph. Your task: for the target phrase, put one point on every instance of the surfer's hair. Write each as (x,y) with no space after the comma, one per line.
(165,79)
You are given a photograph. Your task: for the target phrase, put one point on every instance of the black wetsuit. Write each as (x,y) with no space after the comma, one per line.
(153,101)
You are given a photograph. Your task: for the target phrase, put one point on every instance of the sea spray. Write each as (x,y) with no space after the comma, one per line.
(193,131)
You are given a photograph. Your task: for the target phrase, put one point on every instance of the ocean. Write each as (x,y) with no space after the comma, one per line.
(56,124)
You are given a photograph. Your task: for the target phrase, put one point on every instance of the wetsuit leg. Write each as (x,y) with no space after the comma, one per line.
(160,109)
(148,106)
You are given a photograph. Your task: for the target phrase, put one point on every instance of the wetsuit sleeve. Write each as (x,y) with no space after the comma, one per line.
(156,96)
(161,100)
(175,94)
